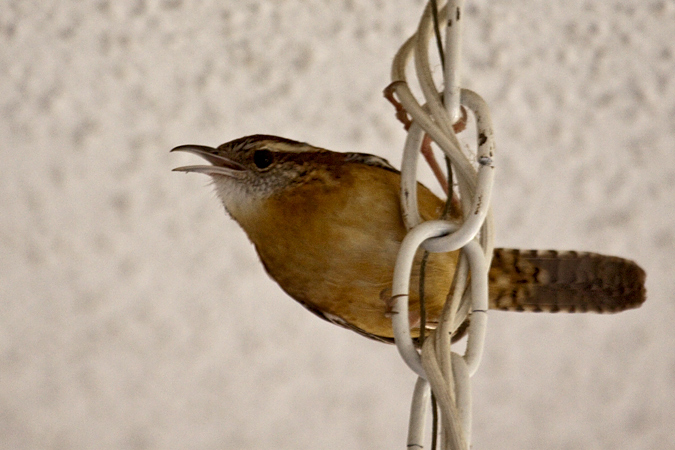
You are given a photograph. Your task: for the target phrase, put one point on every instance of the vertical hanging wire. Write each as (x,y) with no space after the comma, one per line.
(447,373)
(453,52)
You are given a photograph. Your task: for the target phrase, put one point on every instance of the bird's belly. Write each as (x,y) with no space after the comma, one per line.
(351,279)
(333,249)
(345,278)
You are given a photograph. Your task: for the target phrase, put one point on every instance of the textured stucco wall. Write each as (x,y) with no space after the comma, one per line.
(134,313)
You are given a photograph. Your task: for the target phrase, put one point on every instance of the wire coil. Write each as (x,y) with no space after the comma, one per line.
(446,372)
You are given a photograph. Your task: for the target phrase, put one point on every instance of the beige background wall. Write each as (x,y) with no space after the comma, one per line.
(134,314)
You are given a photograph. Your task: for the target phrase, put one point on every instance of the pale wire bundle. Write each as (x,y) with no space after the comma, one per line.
(446,372)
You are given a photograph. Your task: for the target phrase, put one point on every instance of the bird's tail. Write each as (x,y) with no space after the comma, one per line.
(551,281)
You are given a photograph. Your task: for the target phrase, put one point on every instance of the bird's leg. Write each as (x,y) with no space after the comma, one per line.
(404,118)
(401,113)
(433,164)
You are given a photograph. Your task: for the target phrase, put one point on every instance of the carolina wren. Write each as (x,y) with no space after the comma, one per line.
(327,227)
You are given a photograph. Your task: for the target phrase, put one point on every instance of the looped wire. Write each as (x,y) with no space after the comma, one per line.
(446,372)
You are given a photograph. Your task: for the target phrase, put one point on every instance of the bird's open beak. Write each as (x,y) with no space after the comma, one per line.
(220,165)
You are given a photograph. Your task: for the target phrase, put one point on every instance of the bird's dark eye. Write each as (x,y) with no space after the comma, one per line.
(262,158)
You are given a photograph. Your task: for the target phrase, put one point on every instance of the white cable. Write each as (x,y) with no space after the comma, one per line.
(409,209)
(452,426)
(485,153)
(423,70)
(401,287)
(401,284)
(418,414)
(447,373)
(447,143)
(461,376)
(453,58)
(479,295)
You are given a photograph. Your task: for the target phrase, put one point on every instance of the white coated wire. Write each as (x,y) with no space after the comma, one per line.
(418,414)
(453,45)
(401,286)
(447,373)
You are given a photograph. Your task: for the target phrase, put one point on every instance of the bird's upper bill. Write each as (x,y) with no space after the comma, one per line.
(220,165)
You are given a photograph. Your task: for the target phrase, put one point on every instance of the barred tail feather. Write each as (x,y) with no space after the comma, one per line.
(551,281)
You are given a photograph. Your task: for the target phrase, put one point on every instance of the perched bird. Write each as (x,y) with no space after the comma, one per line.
(327,227)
